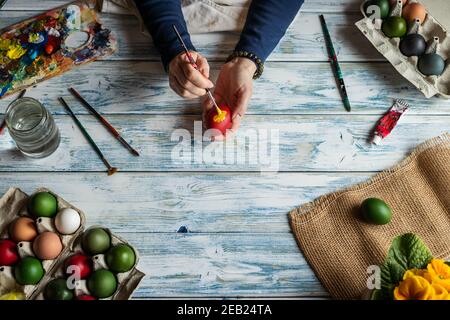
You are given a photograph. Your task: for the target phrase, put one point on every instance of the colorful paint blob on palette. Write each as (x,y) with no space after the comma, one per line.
(51,44)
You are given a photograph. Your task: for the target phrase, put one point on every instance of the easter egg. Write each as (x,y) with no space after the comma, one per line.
(414,11)
(413,45)
(57,290)
(8,253)
(376,211)
(431,64)
(23,229)
(43,204)
(394,27)
(383,5)
(85,297)
(29,270)
(222,121)
(78,264)
(47,246)
(67,221)
(96,241)
(120,258)
(102,283)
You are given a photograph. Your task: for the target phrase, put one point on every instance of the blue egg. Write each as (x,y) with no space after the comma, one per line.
(431,64)
(413,45)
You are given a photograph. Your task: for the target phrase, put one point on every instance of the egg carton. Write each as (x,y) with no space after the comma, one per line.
(431,30)
(127,282)
(13,205)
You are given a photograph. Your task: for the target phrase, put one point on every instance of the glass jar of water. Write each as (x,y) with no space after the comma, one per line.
(32,127)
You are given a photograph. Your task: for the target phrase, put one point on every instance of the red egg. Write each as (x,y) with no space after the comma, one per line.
(85,297)
(79,264)
(8,253)
(220,122)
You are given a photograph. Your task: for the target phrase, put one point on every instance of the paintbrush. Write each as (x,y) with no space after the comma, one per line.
(3,124)
(192,62)
(335,64)
(111,170)
(105,122)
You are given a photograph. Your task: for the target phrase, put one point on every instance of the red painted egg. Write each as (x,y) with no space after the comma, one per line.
(8,253)
(78,264)
(220,122)
(85,297)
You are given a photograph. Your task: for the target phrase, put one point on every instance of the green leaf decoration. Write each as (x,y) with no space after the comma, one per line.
(406,252)
(377,294)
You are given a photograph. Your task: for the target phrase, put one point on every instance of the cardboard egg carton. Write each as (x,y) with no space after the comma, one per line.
(13,205)
(407,66)
(126,281)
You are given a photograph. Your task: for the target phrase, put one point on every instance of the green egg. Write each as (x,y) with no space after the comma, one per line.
(394,27)
(57,290)
(29,270)
(102,283)
(43,204)
(120,258)
(382,4)
(376,211)
(96,241)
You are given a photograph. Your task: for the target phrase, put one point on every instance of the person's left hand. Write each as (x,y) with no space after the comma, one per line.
(234,88)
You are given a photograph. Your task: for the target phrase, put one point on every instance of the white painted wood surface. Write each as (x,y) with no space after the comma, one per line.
(239,243)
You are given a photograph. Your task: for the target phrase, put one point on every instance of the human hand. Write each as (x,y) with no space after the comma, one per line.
(185,80)
(234,88)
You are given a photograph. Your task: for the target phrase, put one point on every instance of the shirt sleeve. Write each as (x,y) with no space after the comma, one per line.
(267,22)
(159,16)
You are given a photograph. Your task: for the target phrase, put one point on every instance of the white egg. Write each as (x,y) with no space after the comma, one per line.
(67,221)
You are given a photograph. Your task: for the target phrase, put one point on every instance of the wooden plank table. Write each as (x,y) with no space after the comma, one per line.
(239,244)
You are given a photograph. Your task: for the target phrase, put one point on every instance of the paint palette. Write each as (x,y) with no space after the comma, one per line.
(51,44)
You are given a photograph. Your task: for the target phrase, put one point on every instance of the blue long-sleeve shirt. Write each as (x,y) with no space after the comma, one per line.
(266,24)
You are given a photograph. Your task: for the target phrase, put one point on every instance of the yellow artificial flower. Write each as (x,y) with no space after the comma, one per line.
(439,273)
(415,272)
(440,293)
(13,296)
(413,288)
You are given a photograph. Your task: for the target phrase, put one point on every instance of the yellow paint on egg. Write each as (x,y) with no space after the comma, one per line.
(219,117)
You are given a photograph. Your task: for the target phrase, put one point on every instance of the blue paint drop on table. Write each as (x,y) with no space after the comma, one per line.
(183,229)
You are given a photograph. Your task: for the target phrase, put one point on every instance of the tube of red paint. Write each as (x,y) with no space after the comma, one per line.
(387,123)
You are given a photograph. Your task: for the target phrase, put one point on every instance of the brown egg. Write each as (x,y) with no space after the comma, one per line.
(414,11)
(23,229)
(47,246)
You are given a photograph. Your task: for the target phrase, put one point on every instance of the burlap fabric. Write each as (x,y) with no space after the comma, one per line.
(339,245)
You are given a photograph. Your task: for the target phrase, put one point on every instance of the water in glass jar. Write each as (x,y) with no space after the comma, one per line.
(32,127)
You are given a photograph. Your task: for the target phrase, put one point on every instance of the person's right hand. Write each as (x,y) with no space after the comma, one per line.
(185,80)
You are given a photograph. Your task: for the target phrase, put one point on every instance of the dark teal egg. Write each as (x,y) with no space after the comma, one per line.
(431,64)
(413,45)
